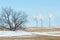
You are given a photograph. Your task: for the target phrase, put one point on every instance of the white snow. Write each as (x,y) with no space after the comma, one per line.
(56,33)
(13,33)
(21,33)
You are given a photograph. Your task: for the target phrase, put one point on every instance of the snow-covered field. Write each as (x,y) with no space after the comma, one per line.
(20,33)
(57,33)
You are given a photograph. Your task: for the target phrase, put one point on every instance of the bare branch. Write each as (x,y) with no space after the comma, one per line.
(12,19)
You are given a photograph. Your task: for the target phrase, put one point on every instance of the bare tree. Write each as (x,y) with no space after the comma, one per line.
(12,19)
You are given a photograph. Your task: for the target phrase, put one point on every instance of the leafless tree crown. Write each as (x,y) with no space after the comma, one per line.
(12,19)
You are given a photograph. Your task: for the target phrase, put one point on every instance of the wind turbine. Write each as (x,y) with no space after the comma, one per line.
(41,20)
(50,16)
(36,20)
(39,17)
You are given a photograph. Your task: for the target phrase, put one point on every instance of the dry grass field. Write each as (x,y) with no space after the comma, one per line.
(42,29)
(36,37)
(31,38)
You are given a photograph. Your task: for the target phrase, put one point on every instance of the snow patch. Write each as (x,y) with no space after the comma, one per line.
(22,33)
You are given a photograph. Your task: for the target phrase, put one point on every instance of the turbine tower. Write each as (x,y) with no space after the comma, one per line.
(50,16)
(36,20)
(41,20)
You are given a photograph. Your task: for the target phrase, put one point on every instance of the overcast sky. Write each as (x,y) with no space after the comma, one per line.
(35,8)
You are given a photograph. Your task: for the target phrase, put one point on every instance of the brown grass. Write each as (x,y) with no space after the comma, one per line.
(42,29)
(41,37)
(36,37)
